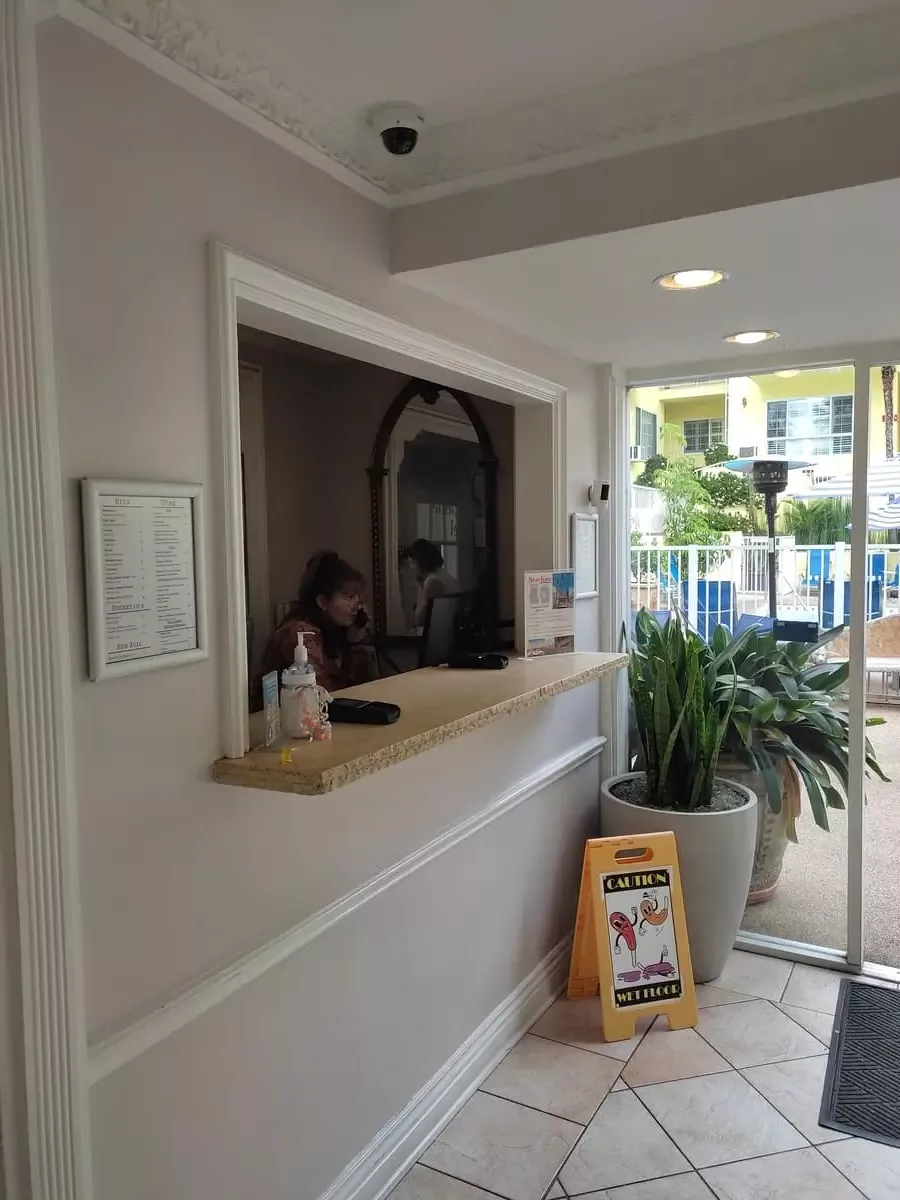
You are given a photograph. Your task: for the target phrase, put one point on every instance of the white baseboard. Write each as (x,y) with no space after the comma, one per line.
(380,1166)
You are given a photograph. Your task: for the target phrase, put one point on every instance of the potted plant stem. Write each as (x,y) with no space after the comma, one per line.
(683,693)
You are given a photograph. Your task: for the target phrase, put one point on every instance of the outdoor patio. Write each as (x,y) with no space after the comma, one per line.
(811,902)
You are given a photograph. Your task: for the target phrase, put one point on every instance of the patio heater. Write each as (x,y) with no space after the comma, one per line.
(769,477)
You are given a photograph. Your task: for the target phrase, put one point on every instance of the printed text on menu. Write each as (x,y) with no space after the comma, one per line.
(149,595)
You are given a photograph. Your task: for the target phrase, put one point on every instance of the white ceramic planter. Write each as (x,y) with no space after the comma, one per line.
(715,856)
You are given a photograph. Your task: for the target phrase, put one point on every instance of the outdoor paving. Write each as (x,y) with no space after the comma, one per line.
(811,902)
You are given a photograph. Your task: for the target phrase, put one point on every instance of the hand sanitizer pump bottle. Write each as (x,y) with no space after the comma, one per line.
(304,712)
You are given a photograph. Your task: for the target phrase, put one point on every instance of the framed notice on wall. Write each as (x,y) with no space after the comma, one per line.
(145,575)
(585,556)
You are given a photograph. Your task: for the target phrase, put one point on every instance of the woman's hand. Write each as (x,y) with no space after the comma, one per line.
(361,629)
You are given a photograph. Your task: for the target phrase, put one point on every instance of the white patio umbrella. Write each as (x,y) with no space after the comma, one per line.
(884,515)
(883,480)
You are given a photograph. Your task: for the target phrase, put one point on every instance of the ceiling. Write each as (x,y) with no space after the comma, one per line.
(508,84)
(824,270)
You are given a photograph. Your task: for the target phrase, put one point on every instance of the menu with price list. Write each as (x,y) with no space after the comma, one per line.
(143,578)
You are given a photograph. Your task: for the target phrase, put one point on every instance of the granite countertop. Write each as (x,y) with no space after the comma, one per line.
(437,705)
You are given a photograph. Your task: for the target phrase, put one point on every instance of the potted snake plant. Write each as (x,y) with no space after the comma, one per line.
(683,695)
(788,734)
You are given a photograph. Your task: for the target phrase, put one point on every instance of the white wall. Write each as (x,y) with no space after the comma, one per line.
(276,1089)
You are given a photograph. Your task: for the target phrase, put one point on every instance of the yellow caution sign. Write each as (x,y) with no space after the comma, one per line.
(631,941)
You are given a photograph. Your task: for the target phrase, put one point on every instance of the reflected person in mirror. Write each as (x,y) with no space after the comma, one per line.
(432,576)
(330,610)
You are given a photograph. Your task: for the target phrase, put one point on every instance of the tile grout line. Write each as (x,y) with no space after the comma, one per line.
(811,1145)
(617,1187)
(779,1062)
(787,984)
(635,1090)
(597,1053)
(835,1167)
(735,1070)
(544,1112)
(447,1175)
(780,1154)
(605,1098)
(803,1027)
(584,1128)
(654,1118)
(773,1063)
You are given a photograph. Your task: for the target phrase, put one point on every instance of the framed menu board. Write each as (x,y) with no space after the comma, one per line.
(145,572)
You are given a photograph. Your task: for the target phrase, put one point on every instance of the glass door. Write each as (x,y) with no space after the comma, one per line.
(705,543)
(880,818)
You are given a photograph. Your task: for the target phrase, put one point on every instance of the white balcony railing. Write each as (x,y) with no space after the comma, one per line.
(714,585)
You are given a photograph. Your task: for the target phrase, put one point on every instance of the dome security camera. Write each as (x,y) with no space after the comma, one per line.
(398,125)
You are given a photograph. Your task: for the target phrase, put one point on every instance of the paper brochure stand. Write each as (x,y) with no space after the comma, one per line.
(631,940)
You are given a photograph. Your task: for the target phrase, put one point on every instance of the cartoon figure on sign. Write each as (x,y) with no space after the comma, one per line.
(661,968)
(624,930)
(651,911)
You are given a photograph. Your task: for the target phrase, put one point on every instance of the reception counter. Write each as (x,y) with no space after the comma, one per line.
(437,705)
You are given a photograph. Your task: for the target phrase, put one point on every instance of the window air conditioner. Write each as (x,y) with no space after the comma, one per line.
(747,452)
(636,453)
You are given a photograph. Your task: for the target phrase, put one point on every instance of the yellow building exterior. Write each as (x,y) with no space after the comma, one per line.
(736,412)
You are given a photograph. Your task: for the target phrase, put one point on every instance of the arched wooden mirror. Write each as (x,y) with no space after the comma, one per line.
(433,475)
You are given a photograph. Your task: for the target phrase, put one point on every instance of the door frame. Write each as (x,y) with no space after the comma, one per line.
(44,1105)
(253,446)
(862,358)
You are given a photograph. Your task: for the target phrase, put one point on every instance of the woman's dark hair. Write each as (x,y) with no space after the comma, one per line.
(426,555)
(326,573)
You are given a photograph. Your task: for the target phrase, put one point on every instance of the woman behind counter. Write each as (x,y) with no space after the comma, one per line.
(329,610)
(432,577)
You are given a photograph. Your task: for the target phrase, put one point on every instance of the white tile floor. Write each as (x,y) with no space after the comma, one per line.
(729,1110)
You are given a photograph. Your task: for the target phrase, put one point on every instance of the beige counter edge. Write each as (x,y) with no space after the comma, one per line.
(245,772)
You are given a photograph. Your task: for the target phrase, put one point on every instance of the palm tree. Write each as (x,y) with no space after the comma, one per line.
(887,389)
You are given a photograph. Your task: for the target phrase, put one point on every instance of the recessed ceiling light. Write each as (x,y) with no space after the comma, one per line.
(689,281)
(751,337)
(787,374)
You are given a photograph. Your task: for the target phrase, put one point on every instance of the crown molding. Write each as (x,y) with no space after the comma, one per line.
(167,38)
(814,68)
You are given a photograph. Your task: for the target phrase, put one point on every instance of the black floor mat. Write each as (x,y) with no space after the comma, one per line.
(862,1085)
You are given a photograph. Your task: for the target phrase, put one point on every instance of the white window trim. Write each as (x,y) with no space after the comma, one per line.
(831,436)
(242,288)
(710,440)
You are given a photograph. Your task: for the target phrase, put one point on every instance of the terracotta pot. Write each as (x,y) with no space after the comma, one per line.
(715,858)
(771,834)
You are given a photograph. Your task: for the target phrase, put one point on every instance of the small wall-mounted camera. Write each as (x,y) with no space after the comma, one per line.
(398,125)
(598,493)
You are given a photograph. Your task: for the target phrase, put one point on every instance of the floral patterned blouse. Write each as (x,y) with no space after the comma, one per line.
(356,664)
